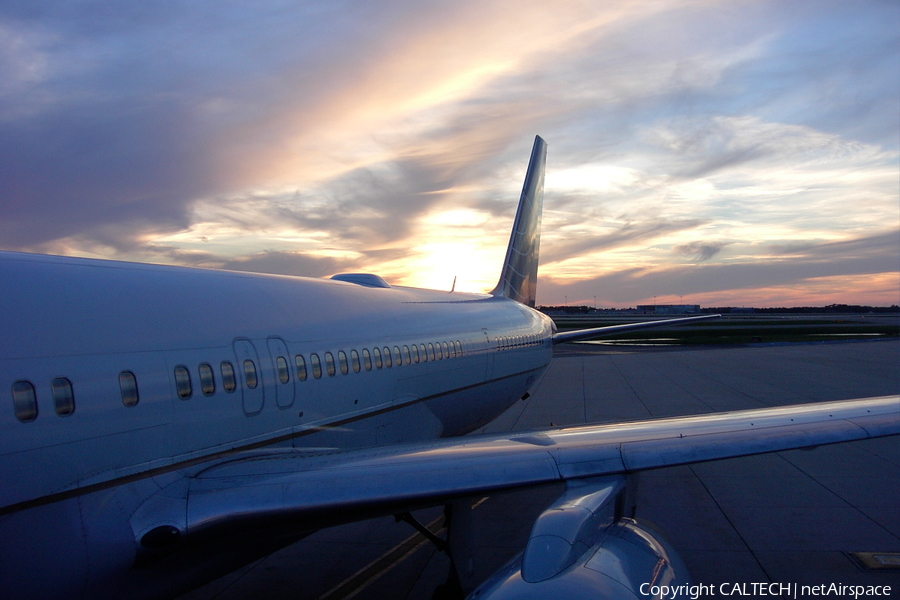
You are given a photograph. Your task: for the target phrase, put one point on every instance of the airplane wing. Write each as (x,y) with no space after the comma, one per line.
(598,332)
(305,486)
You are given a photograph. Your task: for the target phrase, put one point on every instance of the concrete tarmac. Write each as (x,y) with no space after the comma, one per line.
(788,517)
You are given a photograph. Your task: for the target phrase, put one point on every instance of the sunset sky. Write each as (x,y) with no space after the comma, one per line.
(705,152)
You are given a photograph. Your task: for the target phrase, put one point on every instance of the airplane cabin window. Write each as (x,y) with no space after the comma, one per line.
(415,354)
(424,351)
(329,364)
(250,374)
(367,359)
(446,350)
(342,360)
(24,401)
(128,388)
(316,365)
(398,360)
(284,372)
(407,358)
(459,350)
(431,354)
(376,352)
(207,379)
(387,357)
(354,360)
(301,367)
(229,381)
(183,382)
(63,396)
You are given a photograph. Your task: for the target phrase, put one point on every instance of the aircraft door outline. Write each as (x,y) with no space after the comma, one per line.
(285,392)
(252,391)
(489,355)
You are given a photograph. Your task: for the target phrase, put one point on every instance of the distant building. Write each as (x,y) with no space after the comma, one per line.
(669,309)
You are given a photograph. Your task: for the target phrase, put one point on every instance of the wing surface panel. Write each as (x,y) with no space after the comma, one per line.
(297,485)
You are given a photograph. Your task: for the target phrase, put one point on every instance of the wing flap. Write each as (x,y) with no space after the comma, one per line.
(296,486)
(667,452)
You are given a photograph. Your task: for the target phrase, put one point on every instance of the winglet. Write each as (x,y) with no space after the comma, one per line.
(518,280)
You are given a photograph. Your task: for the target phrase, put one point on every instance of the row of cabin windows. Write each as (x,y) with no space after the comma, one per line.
(25,403)
(185,388)
(517,341)
(377,358)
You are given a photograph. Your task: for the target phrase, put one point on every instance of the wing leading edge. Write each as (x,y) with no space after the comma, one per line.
(598,332)
(295,486)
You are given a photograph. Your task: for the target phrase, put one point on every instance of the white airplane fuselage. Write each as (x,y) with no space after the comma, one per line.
(456,362)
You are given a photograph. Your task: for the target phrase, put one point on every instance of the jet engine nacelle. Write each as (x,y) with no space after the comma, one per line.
(582,548)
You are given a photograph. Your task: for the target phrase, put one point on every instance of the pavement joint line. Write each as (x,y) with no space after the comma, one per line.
(367,575)
(387,559)
(731,524)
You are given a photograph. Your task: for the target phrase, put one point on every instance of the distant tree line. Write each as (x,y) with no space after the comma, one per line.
(831,308)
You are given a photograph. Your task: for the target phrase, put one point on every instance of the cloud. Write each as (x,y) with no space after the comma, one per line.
(306,136)
(284,263)
(700,251)
(627,234)
(879,244)
(873,255)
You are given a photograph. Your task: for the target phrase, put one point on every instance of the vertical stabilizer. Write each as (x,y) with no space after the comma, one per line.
(519,277)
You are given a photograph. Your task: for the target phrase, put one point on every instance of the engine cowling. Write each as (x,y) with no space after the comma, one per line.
(581,548)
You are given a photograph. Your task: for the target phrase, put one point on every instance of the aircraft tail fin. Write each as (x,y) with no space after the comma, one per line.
(518,280)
